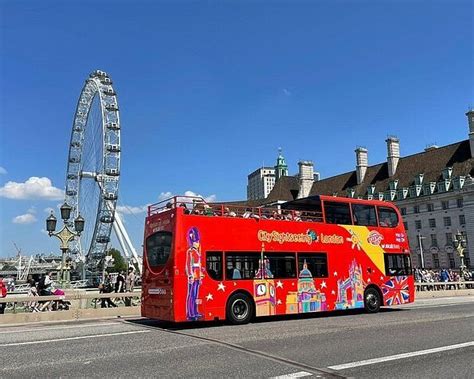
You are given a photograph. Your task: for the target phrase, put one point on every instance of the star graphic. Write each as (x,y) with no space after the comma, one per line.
(209,297)
(278,301)
(221,287)
(333,292)
(235,284)
(323,284)
(335,273)
(381,277)
(279,284)
(368,280)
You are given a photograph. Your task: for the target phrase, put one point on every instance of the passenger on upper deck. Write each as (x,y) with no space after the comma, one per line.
(229,213)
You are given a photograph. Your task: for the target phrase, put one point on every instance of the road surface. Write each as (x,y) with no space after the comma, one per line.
(431,338)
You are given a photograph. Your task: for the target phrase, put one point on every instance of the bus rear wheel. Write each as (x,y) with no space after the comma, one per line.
(372,300)
(239,309)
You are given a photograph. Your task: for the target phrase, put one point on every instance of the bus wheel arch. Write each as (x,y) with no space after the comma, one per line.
(373,299)
(240,307)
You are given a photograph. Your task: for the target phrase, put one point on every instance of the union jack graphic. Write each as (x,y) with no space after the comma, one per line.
(400,237)
(395,291)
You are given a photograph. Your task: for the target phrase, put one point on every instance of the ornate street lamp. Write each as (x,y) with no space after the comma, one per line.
(460,244)
(65,235)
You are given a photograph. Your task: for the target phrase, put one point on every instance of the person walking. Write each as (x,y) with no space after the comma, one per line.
(3,294)
(106,288)
(120,282)
(129,284)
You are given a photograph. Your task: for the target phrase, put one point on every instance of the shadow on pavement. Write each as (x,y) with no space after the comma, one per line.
(213,324)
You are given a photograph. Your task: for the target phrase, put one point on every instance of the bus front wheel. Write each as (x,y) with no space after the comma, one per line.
(372,300)
(239,309)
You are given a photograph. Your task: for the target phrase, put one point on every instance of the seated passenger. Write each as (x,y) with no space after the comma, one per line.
(229,213)
(208,210)
(236,273)
(185,208)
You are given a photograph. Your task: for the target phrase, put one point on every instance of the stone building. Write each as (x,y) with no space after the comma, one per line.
(433,189)
(261,181)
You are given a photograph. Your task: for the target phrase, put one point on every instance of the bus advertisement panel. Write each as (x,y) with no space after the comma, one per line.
(215,262)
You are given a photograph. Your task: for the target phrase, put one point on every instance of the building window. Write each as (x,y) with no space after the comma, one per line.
(447,221)
(430,207)
(416,209)
(467,259)
(418,224)
(452,264)
(434,240)
(435,260)
(403,211)
(445,204)
(462,220)
(449,239)
(432,222)
(460,203)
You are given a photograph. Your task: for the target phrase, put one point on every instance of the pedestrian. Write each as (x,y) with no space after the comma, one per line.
(32,292)
(44,289)
(106,287)
(3,294)
(120,282)
(129,283)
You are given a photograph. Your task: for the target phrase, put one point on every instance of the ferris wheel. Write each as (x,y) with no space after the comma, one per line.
(93,168)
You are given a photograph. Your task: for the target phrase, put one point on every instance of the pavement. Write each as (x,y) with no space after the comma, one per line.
(430,338)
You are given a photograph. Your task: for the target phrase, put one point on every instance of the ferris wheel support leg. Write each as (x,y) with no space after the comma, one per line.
(124,233)
(121,241)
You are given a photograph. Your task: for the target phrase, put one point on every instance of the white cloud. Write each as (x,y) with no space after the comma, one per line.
(33,188)
(27,218)
(48,210)
(2,171)
(207,199)
(129,210)
(164,195)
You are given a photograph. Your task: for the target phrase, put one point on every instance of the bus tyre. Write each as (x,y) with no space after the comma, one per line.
(372,300)
(239,309)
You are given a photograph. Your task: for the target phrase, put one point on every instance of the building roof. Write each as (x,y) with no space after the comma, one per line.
(430,163)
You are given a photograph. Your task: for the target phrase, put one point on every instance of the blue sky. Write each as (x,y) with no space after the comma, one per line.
(209,90)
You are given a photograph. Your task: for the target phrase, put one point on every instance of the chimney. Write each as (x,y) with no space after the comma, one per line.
(470,120)
(361,163)
(306,178)
(393,150)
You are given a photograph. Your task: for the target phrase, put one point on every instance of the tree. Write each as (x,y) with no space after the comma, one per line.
(119,264)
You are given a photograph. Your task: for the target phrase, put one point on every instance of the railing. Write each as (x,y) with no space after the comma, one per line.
(70,301)
(197,206)
(443,286)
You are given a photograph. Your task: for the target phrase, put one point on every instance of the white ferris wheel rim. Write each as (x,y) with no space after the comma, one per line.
(98,87)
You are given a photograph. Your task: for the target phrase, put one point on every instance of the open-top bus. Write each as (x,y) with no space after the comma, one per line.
(321,253)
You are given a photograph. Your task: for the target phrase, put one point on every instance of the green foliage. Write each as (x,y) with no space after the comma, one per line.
(119,264)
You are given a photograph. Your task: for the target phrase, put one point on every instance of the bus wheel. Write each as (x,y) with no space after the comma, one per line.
(372,300)
(239,309)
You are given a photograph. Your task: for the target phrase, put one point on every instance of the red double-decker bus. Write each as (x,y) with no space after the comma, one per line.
(224,262)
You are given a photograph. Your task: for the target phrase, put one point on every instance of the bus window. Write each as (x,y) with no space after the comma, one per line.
(282,265)
(158,248)
(388,218)
(337,213)
(397,264)
(364,215)
(317,264)
(214,264)
(242,265)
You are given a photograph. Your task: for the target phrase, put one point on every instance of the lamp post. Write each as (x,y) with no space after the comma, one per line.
(420,244)
(460,244)
(65,235)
